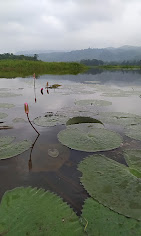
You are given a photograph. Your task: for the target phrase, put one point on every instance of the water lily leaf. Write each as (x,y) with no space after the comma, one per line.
(50,120)
(86,137)
(133,131)
(19,120)
(53,152)
(102,221)
(31,211)
(93,102)
(119,118)
(82,119)
(6,140)
(3,115)
(9,94)
(6,105)
(14,149)
(112,185)
(133,159)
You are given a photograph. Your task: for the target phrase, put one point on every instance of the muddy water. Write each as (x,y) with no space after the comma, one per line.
(39,166)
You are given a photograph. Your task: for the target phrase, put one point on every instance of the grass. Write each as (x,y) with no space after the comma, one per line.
(23,68)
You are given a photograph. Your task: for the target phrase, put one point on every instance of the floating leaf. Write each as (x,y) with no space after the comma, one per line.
(82,119)
(93,102)
(119,118)
(2,95)
(3,115)
(50,120)
(19,120)
(104,222)
(53,152)
(6,140)
(133,159)
(112,185)
(14,149)
(134,131)
(6,105)
(31,211)
(85,137)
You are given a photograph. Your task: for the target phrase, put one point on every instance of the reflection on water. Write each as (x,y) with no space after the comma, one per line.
(49,164)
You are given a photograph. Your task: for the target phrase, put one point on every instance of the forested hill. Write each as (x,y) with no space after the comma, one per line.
(126,53)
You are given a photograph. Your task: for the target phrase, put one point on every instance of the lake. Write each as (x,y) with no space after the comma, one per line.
(40,166)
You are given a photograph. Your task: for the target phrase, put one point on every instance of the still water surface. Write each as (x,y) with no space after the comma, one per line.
(36,167)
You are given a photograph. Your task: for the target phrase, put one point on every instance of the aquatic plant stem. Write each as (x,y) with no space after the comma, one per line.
(32,125)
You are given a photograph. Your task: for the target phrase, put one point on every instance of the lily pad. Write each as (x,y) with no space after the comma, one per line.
(6,105)
(3,115)
(133,159)
(53,152)
(134,131)
(104,222)
(31,211)
(85,137)
(82,119)
(2,95)
(6,140)
(93,102)
(112,185)
(19,120)
(50,120)
(14,149)
(119,118)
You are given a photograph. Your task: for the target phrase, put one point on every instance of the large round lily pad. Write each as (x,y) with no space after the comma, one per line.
(86,137)
(50,120)
(31,211)
(112,185)
(3,115)
(93,102)
(133,159)
(134,131)
(6,105)
(119,118)
(104,222)
(14,149)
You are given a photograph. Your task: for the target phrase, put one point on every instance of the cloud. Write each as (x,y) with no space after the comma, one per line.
(68,24)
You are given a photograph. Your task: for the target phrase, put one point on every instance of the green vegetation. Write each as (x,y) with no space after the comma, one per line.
(22,68)
(112,184)
(34,212)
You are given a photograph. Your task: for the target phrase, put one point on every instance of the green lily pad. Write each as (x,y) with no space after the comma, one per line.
(31,211)
(85,137)
(82,119)
(9,94)
(93,102)
(112,185)
(6,105)
(19,120)
(133,159)
(14,149)
(119,118)
(6,140)
(3,115)
(134,131)
(50,120)
(104,222)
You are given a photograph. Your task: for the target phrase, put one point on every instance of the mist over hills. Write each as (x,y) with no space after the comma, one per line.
(124,53)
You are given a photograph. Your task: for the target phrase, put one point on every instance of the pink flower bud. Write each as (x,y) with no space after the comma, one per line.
(26,108)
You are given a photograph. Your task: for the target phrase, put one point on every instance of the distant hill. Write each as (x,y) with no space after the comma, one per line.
(124,53)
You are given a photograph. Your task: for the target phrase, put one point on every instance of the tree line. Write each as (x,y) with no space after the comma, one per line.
(95,62)
(11,56)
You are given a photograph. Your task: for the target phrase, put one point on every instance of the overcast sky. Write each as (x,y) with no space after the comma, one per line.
(68,24)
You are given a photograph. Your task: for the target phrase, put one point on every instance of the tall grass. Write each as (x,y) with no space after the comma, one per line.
(22,68)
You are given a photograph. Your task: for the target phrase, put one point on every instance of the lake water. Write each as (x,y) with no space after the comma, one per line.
(60,174)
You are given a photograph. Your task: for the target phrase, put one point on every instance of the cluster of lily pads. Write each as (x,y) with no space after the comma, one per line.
(114,189)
